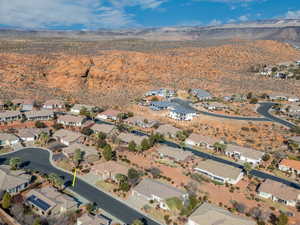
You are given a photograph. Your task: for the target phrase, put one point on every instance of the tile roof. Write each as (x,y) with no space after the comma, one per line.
(294,164)
(111,112)
(279,190)
(88,150)
(39,113)
(128,137)
(111,167)
(8,137)
(246,152)
(71,119)
(31,132)
(198,138)
(104,128)
(12,178)
(167,129)
(67,135)
(208,214)
(176,153)
(150,187)
(219,169)
(10,114)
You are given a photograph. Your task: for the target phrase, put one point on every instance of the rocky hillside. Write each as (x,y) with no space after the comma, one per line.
(110,77)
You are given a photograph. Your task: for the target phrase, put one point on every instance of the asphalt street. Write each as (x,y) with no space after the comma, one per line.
(38,159)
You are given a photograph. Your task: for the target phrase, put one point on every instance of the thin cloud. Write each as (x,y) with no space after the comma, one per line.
(292,15)
(90,14)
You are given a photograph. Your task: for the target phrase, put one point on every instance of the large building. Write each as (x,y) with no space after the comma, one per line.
(48,201)
(13,181)
(219,172)
(149,189)
(208,214)
(244,154)
(279,192)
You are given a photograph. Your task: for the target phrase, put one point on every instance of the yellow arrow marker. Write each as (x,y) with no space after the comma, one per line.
(74,178)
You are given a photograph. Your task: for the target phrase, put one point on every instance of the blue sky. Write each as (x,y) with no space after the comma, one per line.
(95,14)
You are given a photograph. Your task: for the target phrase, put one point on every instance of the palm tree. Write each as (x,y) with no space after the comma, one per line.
(219,147)
(15,163)
(43,138)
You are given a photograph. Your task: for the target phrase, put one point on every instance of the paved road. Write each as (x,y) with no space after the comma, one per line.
(263,110)
(205,155)
(38,159)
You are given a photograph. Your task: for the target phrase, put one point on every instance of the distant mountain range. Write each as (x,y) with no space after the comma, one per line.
(280,29)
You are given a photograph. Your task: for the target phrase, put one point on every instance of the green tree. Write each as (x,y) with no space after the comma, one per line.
(6,200)
(253,101)
(101,136)
(282,219)
(39,124)
(85,112)
(107,153)
(247,167)
(132,146)
(219,147)
(121,177)
(137,222)
(15,163)
(101,143)
(43,138)
(266,157)
(133,175)
(124,186)
(87,131)
(37,221)
(174,203)
(145,144)
(55,180)
(77,157)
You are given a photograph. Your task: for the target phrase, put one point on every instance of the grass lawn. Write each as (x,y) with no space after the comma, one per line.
(166,162)
(106,186)
(65,164)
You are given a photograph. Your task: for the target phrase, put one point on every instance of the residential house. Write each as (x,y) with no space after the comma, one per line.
(10,116)
(292,98)
(48,201)
(54,104)
(278,96)
(289,165)
(167,130)
(166,93)
(90,153)
(219,172)
(149,189)
(279,192)
(88,219)
(103,128)
(109,170)
(68,137)
(162,105)
(109,114)
(27,105)
(141,122)
(13,181)
(7,139)
(248,155)
(201,94)
(209,214)
(216,106)
(128,137)
(176,154)
(78,107)
(180,113)
(31,134)
(39,115)
(201,140)
(69,120)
